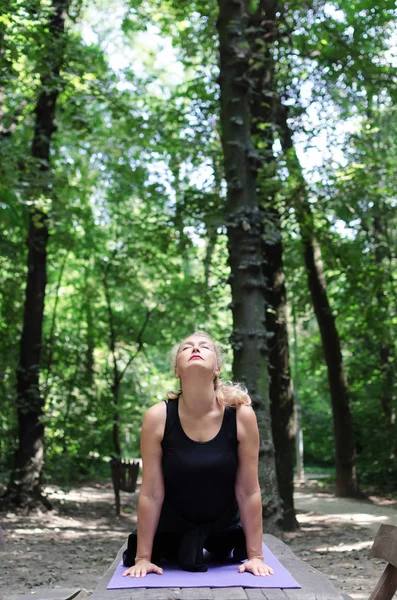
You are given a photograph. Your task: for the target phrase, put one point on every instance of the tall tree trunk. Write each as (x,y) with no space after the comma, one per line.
(89,292)
(116,379)
(24,488)
(212,220)
(51,337)
(244,219)
(300,471)
(263,34)
(180,211)
(211,226)
(346,480)
(281,389)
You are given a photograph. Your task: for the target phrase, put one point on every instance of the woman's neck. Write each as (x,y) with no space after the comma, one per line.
(198,398)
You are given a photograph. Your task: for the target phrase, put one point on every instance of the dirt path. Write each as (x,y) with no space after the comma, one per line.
(70,546)
(74,544)
(336,535)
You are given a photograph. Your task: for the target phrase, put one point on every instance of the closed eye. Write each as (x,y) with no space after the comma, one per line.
(191,346)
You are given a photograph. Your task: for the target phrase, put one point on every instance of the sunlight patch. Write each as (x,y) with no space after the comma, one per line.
(344,547)
(359,518)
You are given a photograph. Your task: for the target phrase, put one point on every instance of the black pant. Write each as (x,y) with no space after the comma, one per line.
(167,545)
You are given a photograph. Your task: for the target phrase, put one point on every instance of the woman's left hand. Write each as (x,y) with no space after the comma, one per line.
(256,566)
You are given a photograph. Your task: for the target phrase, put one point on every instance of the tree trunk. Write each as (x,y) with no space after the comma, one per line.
(300,470)
(51,337)
(263,34)
(24,488)
(346,481)
(281,390)
(244,220)
(212,220)
(212,236)
(116,380)
(25,483)
(180,211)
(90,292)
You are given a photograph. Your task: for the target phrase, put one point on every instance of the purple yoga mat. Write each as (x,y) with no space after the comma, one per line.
(218,575)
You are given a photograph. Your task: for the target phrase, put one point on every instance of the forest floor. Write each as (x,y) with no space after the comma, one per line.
(75,543)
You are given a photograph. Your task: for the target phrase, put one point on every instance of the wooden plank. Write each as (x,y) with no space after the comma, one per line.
(51,594)
(134,594)
(315,586)
(124,594)
(254,594)
(197,594)
(387,584)
(231,593)
(163,593)
(265,594)
(273,594)
(385,544)
(301,594)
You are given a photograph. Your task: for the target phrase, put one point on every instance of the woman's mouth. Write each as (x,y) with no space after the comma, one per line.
(195,356)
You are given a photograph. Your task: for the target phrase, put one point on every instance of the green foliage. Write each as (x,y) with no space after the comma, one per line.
(136,215)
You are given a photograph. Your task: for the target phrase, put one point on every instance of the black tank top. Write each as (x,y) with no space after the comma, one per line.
(199,477)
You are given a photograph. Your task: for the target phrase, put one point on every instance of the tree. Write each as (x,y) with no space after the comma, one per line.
(345,454)
(24,488)
(244,219)
(263,33)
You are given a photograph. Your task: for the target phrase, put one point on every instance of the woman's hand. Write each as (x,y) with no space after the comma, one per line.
(142,567)
(256,566)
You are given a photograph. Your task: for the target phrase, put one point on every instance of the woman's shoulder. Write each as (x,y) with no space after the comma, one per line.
(154,422)
(156,411)
(247,424)
(246,415)
(156,414)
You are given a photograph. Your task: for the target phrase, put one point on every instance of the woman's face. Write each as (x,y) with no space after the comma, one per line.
(196,353)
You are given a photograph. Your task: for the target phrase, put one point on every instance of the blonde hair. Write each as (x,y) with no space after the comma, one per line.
(227,393)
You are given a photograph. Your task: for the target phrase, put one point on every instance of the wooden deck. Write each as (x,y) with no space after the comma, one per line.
(315,586)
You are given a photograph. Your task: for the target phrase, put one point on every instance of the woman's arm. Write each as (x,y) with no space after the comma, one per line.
(248,492)
(151,494)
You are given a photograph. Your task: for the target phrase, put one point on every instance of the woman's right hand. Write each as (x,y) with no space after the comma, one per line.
(141,568)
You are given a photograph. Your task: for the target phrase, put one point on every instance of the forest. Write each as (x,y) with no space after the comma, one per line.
(171,166)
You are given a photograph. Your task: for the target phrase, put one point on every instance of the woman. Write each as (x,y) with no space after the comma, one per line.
(200,471)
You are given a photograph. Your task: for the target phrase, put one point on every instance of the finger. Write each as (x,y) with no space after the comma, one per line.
(255,571)
(126,572)
(241,568)
(158,570)
(269,570)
